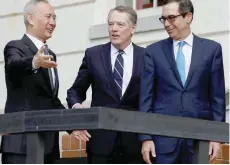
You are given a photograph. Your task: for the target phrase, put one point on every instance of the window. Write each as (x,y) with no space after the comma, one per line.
(143,4)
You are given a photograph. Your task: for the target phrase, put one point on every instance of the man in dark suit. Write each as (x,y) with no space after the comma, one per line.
(113,71)
(31,80)
(182,76)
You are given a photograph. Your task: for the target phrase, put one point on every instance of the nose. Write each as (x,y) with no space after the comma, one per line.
(52,21)
(166,23)
(114,27)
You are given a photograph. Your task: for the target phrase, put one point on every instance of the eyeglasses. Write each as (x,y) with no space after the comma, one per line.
(170,18)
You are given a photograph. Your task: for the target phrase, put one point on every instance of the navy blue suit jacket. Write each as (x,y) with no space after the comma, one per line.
(162,92)
(96,70)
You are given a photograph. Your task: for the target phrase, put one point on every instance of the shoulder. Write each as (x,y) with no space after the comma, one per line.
(95,51)
(14,44)
(138,48)
(98,48)
(208,45)
(208,42)
(159,45)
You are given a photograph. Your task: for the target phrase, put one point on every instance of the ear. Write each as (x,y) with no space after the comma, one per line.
(134,28)
(188,18)
(30,19)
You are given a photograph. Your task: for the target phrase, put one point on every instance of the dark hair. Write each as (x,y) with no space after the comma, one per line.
(185,6)
(126,9)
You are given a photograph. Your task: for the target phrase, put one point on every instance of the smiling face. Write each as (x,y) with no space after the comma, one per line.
(121,29)
(179,27)
(42,21)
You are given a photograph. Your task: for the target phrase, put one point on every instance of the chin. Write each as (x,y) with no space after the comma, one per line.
(172,36)
(48,37)
(115,43)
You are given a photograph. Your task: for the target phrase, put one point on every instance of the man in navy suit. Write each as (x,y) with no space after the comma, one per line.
(181,76)
(113,71)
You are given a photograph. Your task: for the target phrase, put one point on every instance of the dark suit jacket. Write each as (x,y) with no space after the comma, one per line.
(203,95)
(96,70)
(27,90)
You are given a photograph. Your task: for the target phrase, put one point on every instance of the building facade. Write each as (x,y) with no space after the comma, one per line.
(83,23)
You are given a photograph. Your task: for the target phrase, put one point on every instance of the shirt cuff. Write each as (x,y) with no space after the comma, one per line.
(74,105)
(34,68)
(143,137)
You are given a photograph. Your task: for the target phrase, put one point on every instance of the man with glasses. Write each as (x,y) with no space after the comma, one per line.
(181,76)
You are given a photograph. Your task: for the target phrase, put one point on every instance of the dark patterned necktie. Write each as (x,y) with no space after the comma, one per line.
(118,72)
(46,52)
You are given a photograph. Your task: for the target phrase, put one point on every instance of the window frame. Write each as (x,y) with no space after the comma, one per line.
(155,5)
(145,22)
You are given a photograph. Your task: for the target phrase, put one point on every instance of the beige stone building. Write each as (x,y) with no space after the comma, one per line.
(82,23)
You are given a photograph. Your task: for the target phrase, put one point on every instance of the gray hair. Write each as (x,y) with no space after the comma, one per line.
(126,9)
(29,7)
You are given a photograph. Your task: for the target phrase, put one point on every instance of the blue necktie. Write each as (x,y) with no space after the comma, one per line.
(180,61)
(46,52)
(118,72)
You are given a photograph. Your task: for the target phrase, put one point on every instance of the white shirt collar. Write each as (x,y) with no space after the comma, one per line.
(36,41)
(188,41)
(127,50)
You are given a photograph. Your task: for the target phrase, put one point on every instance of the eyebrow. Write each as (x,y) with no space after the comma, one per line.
(50,14)
(117,22)
(169,15)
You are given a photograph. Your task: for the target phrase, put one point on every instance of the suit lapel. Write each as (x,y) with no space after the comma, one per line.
(33,49)
(55,74)
(29,45)
(106,61)
(56,81)
(46,77)
(195,59)
(136,68)
(169,53)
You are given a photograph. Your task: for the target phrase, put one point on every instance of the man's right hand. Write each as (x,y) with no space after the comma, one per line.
(147,147)
(42,60)
(78,105)
(81,135)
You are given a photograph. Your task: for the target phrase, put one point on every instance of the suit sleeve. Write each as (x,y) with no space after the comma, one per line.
(146,89)
(218,87)
(15,60)
(77,93)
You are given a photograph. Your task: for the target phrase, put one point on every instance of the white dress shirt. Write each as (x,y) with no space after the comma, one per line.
(128,64)
(39,44)
(187,51)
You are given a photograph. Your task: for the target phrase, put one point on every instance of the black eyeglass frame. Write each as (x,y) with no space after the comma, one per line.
(170,18)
